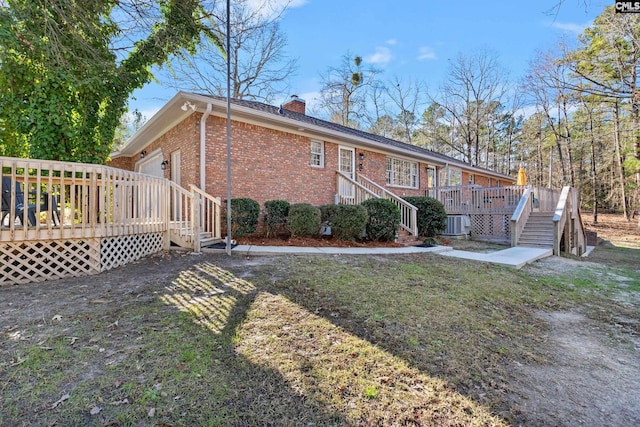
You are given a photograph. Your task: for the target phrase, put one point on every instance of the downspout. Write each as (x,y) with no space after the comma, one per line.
(203,146)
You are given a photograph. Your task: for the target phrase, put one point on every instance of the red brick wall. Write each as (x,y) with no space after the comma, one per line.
(184,137)
(266,164)
(125,163)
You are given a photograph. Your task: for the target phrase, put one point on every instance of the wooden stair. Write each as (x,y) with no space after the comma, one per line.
(538,231)
(206,239)
(406,239)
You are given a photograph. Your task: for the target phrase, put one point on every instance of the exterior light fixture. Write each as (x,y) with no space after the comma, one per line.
(164,164)
(361,156)
(187,105)
(143,153)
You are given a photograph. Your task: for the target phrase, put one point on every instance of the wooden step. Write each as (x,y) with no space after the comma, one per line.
(406,239)
(538,231)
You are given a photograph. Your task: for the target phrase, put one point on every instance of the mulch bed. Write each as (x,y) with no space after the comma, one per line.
(324,241)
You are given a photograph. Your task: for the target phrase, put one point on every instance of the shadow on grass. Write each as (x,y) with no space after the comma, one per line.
(324,357)
(219,341)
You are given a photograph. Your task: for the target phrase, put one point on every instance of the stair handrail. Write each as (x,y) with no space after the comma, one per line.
(521,215)
(408,212)
(357,186)
(568,205)
(180,212)
(209,209)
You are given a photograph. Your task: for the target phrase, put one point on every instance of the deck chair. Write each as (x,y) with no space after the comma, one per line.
(18,203)
(51,200)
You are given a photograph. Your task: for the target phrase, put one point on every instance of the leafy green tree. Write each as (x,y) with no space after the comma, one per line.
(67,69)
(606,66)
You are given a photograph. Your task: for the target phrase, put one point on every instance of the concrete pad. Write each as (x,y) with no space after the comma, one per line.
(588,251)
(516,257)
(512,257)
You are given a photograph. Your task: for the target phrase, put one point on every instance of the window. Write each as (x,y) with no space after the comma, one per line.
(455,177)
(431,177)
(317,154)
(450,177)
(402,173)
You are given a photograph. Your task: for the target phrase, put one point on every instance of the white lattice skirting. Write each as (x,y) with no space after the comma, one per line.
(37,261)
(491,226)
(117,251)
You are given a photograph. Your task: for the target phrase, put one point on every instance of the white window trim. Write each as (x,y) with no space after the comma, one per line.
(450,172)
(433,182)
(417,173)
(311,152)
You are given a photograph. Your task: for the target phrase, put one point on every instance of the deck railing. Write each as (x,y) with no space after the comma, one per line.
(63,219)
(90,201)
(466,199)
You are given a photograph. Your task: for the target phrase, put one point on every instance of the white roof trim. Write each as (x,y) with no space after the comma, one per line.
(171,114)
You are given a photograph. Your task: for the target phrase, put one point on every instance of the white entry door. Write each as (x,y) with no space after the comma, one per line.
(347,165)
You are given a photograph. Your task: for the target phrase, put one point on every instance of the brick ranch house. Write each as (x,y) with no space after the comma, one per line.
(282,153)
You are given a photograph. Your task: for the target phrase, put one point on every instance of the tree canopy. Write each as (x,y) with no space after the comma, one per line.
(68,67)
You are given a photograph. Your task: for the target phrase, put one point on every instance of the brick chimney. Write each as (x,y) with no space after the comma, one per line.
(296,105)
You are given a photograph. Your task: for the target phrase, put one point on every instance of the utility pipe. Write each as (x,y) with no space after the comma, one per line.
(203,146)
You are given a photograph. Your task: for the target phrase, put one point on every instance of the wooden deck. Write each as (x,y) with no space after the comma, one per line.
(79,219)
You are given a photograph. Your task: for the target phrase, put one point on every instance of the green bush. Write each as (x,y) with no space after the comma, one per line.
(432,218)
(328,212)
(304,220)
(244,216)
(348,222)
(384,219)
(276,214)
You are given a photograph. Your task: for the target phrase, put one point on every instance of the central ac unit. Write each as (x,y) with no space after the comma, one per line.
(457,225)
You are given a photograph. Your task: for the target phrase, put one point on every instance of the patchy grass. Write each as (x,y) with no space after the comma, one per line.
(288,341)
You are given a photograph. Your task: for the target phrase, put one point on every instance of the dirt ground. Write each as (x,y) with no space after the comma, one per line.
(593,377)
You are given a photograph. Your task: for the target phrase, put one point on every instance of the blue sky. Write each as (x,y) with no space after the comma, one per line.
(412,39)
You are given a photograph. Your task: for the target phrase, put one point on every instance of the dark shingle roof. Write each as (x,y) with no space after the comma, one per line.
(303,118)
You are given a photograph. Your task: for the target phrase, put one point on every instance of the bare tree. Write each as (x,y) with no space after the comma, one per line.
(407,99)
(344,91)
(260,67)
(546,83)
(476,83)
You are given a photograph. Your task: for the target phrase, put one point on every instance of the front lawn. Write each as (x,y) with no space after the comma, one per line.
(288,341)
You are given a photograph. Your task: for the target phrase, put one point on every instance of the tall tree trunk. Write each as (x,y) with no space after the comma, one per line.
(560,156)
(616,140)
(572,179)
(594,179)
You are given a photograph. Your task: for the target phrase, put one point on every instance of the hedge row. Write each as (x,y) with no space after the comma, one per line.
(377,218)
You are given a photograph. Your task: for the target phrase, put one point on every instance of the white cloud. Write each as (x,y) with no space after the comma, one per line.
(381,56)
(426,53)
(392,42)
(570,27)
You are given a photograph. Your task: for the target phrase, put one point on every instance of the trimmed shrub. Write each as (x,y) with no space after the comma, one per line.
(304,220)
(244,216)
(432,218)
(384,219)
(276,214)
(328,212)
(348,222)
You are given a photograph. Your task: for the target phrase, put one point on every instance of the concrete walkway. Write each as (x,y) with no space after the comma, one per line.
(513,257)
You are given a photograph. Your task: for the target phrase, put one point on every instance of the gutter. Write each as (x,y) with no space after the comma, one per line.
(203,141)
